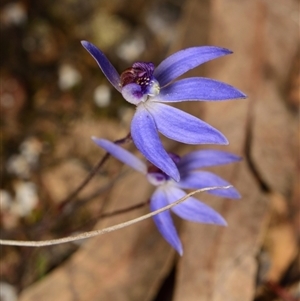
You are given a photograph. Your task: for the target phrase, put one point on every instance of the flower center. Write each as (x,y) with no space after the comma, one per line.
(141,81)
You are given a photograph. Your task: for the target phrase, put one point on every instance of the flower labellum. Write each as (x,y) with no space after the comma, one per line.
(138,83)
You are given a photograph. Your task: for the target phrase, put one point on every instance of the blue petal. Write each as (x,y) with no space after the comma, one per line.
(164,222)
(193,210)
(180,126)
(198,88)
(107,68)
(121,154)
(185,60)
(202,179)
(145,136)
(205,158)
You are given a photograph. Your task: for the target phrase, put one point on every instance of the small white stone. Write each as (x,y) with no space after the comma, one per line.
(102,96)
(13,14)
(31,149)
(131,49)
(7,292)
(5,200)
(161,23)
(68,77)
(155,22)
(26,198)
(19,166)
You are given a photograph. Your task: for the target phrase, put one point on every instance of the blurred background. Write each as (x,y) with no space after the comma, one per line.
(54,98)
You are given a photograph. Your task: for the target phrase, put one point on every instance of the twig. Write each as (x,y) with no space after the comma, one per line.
(120,211)
(85,182)
(92,173)
(105,230)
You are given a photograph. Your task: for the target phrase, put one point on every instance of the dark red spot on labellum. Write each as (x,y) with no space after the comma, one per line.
(140,73)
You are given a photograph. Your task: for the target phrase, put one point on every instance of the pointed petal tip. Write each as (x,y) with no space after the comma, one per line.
(85,44)
(227,51)
(244,96)
(237,195)
(177,247)
(176,176)
(171,172)
(223,223)
(95,139)
(241,95)
(223,140)
(101,142)
(238,158)
(220,221)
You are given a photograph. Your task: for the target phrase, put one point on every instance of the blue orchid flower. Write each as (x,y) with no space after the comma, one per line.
(169,191)
(149,88)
